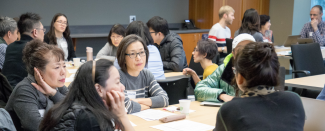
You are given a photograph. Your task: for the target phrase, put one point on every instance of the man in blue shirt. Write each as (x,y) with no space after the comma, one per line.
(316,27)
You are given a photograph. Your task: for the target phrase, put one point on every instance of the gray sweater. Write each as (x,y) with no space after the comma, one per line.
(257,36)
(26,101)
(107,52)
(145,86)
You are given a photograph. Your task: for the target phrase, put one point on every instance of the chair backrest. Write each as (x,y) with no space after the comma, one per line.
(315,116)
(196,67)
(5,90)
(281,77)
(229,45)
(205,36)
(307,57)
(176,89)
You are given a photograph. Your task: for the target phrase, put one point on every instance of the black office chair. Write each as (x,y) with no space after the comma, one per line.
(176,88)
(307,61)
(229,45)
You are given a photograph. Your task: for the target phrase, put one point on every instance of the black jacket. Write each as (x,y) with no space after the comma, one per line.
(172,53)
(71,51)
(5,90)
(78,118)
(14,68)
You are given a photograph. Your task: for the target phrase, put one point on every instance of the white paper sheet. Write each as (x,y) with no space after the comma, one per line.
(72,70)
(133,124)
(151,114)
(184,125)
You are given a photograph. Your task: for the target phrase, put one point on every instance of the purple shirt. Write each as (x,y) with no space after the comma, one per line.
(318,35)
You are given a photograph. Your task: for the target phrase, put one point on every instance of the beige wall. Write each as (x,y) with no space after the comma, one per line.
(281,13)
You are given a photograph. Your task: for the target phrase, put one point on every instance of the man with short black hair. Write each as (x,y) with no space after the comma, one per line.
(170,45)
(30,27)
(8,34)
(316,27)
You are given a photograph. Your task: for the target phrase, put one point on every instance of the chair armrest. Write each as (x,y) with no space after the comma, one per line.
(307,73)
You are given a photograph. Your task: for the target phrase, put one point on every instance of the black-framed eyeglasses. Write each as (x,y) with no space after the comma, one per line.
(134,55)
(234,70)
(153,32)
(195,49)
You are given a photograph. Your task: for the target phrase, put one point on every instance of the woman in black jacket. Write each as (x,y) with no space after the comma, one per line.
(95,102)
(59,34)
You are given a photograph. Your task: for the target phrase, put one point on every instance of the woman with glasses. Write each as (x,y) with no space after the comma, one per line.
(265,29)
(59,35)
(142,90)
(260,107)
(203,53)
(154,64)
(115,36)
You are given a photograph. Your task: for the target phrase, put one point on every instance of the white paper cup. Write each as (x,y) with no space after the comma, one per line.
(185,106)
(76,61)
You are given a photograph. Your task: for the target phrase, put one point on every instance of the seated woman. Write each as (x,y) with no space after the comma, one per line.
(155,64)
(251,25)
(59,35)
(95,102)
(217,87)
(141,87)
(203,53)
(114,38)
(265,29)
(256,69)
(41,89)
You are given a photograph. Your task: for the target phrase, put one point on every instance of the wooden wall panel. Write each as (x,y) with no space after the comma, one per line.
(265,7)
(247,4)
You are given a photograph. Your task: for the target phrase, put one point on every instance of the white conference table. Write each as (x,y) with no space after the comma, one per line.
(315,82)
(203,114)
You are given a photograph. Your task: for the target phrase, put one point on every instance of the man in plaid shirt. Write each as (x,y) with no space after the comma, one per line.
(316,27)
(8,34)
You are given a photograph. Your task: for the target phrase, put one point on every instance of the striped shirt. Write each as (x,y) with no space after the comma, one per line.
(318,35)
(143,86)
(219,34)
(3,48)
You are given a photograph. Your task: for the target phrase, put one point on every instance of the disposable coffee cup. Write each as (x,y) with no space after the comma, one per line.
(185,106)
(76,62)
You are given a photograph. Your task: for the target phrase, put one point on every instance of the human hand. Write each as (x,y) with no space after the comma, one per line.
(144,107)
(314,24)
(226,97)
(116,103)
(41,85)
(188,71)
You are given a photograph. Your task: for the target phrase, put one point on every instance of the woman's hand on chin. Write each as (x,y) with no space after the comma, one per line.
(41,85)
(116,103)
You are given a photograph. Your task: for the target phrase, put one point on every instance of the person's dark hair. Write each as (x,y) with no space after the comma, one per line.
(117,29)
(51,34)
(258,64)
(83,91)
(121,50)
(158,24)
(250,22)
(140,29)
(319,7)
(264,19)
(35,54)
(209,47)
(28,21)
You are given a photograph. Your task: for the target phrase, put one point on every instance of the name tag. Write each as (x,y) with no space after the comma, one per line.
(132,94)
(310,33)
(41,112)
